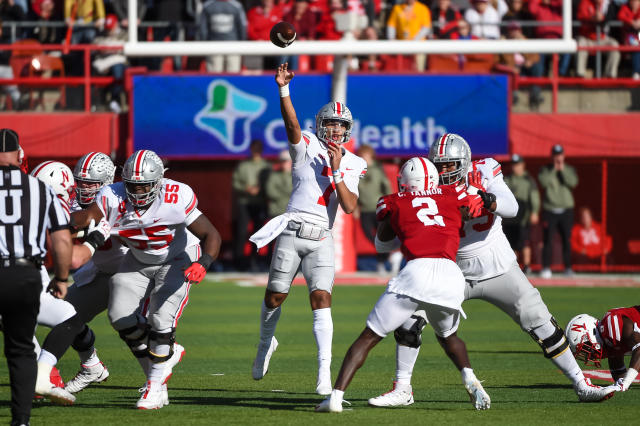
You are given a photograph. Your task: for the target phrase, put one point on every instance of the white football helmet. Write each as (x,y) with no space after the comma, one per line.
(417,174)
(59,177)
(584,339)
(333,111)
(93,171)
(143,167)
(451,148)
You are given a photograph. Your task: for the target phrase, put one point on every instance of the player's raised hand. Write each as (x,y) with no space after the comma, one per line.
(335,155)
(474,182)
(283,75)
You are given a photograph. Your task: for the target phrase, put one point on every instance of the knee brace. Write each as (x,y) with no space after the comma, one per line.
(411,337)
(136,338)
(157,338)
(84,340)
(553,345)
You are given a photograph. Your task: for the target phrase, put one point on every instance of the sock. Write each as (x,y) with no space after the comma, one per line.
(337,393)
(89,358)
(565,361)
(155,372)
(268,321)
(405,360)
(468,376)
(47,358)
(323,332)
(43,381)
(157,368)
(145,363)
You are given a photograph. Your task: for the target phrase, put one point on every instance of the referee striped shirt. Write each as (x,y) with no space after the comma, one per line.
(28,208)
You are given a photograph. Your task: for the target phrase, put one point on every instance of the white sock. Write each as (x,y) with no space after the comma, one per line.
(565,361)
(336,393)
(468,376)
(47,358)
(89,358)
(323,332)
(268,321)
(155,372)
(405,360)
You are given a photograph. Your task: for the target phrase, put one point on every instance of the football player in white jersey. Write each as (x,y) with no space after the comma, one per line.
(491,272)
(151,215)
(324,175)
(67,327)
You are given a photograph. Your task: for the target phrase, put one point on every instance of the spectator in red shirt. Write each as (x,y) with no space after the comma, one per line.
(260,19)
(587,240)
(550,11)
(305,22)
(594,15)
(445,18)
(630,15)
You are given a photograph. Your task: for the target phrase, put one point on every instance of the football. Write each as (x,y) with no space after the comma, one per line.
(282,34)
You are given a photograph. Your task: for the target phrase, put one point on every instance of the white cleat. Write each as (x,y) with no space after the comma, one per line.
(165,395)
(153,397)
(95,374)
(261,363)
(324,383)
(588,392)
(398,396)
(479,398)
(332,404)
(178,353)
(55,394)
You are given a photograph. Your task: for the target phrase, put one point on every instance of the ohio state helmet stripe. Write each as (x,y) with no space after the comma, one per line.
(139,158)
(338,108)
(87,162)
(443,143)
(426,172)
(38,169)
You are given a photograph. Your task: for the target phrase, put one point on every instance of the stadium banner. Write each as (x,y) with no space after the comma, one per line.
(399,115)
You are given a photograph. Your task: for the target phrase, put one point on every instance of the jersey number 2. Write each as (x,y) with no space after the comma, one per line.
(428,215)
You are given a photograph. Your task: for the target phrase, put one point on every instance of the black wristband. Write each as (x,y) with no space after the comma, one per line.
(205,260)
(60,279)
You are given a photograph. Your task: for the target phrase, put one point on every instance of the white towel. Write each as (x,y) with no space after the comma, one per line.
(270,230)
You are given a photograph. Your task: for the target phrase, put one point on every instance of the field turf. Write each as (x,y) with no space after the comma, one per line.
(219,329)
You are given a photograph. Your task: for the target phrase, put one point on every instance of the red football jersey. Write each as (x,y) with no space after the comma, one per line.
(426,222)
(610,328)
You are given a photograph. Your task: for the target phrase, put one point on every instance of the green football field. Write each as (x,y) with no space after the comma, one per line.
(213,384)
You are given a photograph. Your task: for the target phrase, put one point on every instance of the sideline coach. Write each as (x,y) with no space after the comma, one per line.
(28,208)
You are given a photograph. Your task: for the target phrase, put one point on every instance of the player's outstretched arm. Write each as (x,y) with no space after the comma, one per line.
(82,218)
(632,339)
(210,240)
(291,125)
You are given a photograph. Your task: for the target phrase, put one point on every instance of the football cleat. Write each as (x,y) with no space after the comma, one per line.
(153,397)
(178,353)
(588,392)
(398,396)
(332,404)
(165,393)
(57,395)
(261,363)
(95,374)
(55,378)
(479,398)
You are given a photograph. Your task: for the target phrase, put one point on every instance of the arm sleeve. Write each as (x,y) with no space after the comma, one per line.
(237,181)
(189,203)
(299,151)
(383,208)
(570,177)
(545,176)
(535,197)
(99,11)
(506,204)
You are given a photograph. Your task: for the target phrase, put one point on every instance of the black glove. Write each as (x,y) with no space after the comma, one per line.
(95,239)
(487,199)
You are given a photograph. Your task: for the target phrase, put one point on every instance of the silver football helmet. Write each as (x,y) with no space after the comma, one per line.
(417,174)
(584,339)
(93,171)
(451,148)
(333,111)
(145,168)
(59,177)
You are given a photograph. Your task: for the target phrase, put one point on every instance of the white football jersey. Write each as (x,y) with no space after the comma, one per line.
(484,249)
(314,196)
(106,258)
(157,233)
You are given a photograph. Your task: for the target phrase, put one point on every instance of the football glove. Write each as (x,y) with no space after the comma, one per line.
(474,182)
(96,235)
(487,199)
(475,205)
(194,273)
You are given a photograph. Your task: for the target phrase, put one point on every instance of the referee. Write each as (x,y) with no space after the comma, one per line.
(28,208)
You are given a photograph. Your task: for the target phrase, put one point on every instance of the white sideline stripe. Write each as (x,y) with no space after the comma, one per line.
(602,375)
